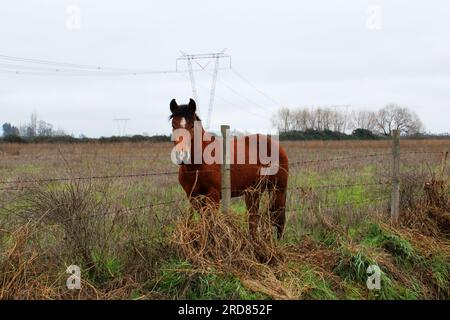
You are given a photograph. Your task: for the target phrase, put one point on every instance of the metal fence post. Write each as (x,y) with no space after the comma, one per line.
(225,169)
(395,197)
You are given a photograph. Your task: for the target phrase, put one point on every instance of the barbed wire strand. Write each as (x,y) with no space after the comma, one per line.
(59,179)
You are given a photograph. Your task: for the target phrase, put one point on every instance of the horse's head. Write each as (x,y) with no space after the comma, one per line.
(183,122)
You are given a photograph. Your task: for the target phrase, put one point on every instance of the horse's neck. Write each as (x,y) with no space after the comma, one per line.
(206,139)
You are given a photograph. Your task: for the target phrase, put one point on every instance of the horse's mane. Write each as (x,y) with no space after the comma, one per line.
(184,111)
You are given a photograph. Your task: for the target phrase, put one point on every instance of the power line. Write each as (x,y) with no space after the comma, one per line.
(228,102)
(203,56)
(14,65)
(31,66)
(12,70)
(277,103)
(40,67)
(229,87)
(68,65)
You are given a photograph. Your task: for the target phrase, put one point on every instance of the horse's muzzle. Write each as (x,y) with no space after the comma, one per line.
(180,157)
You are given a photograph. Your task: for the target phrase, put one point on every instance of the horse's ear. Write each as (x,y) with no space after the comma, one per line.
(173,106)
(192,105)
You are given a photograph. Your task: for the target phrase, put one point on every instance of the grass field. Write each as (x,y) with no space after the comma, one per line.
(125,232)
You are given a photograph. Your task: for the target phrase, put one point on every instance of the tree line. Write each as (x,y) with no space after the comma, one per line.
(35,128)
(323,123)
(37,131)
(329,119)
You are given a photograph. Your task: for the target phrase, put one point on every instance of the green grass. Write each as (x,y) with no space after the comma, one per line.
(413,264)
(106,266)
(440,267)
(178,279)
(397,246)
(309,279)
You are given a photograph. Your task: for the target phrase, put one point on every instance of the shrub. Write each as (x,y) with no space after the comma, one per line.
(13,139)
(364,134)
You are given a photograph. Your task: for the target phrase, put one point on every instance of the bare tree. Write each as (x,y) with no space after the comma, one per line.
(44,129)
(327,118)
(38,128)
(396,117)
(301,119)
(59,133)
(363,119)
(384,121)
(338,121)
(283,120)
(320,119)
(296,122)
(311,119)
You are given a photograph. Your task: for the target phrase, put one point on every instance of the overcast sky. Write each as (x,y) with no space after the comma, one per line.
(365,54)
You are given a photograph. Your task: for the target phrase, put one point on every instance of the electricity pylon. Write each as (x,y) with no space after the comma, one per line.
(191,77)
(213,91)
(204,56)
(121,125)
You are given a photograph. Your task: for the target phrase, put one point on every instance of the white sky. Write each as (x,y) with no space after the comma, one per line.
(301,53)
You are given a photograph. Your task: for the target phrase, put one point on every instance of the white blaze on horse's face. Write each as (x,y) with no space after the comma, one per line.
(181,152)
(183,120)
(181,136)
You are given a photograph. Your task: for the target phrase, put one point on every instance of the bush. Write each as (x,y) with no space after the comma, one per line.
(13,139)
(135,138)
(328,135)
(364,134)
(71,139)
(313,135)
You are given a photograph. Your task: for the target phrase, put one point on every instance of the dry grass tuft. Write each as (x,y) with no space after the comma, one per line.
(220,242)
(23,270)
(430,211)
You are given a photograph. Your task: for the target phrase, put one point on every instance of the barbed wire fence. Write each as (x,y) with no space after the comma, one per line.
(27,184)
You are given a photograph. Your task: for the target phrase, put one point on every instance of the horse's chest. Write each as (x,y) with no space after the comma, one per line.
(199,179)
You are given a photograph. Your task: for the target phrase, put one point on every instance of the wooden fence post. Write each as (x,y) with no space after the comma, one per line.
(225,169)
(395,197)
(441,174)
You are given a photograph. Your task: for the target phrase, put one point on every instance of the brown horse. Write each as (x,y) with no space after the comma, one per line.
(200,177)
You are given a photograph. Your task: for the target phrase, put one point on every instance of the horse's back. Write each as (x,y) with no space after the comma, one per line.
(258,155)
